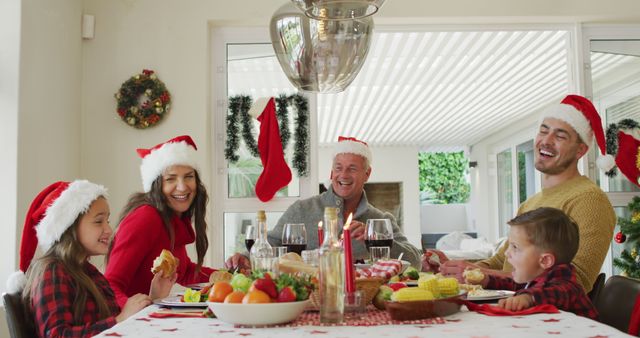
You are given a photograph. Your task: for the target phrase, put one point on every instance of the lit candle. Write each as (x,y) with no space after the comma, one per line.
(350,277)
(320,234)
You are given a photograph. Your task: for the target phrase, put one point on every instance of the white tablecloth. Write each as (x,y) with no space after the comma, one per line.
(462,324)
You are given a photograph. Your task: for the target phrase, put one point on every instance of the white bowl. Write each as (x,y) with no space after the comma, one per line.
(258,314)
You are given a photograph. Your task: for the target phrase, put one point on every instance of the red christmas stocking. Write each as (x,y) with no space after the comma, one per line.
(276,173)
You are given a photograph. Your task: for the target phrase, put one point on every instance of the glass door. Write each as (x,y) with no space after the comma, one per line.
(612,79)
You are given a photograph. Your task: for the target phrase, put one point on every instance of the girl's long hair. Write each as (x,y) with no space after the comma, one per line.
(196,212)
(69,253)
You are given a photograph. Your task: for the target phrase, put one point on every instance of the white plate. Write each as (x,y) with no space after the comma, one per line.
(176,302)
(196,286)
(258,314)
(491,295)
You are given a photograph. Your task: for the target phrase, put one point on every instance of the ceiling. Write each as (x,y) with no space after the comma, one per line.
(433,90)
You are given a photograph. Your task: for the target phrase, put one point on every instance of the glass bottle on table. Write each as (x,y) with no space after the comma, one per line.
(261,253)
(331,263)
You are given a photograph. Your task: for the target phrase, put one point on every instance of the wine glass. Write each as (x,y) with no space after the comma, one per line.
(250,237)
(294,237)
(378,233)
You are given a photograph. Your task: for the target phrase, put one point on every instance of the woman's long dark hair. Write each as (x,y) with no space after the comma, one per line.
(196,212)
(69,253)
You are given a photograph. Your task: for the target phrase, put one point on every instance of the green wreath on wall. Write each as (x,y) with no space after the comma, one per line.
(143,100)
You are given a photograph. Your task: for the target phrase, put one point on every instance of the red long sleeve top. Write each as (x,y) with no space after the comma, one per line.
(140,238)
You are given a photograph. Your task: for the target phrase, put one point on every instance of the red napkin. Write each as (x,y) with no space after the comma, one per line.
(634,324)
(493,310)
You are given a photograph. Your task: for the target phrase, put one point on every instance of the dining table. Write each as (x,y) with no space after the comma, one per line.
(464,323)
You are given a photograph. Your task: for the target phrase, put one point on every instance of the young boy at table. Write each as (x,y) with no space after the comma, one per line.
(542,243)
(65,293)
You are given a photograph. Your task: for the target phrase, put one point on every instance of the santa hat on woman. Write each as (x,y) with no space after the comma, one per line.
(580,113)
(51,213)
(179,150)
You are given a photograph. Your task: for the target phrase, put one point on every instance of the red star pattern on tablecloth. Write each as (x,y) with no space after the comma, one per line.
(553,332)
(318,332)
(599,336)
(144,319)
(551,320)
(170,330)
(113,334)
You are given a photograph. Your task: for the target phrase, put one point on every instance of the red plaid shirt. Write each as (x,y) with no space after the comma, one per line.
(556,286)
(53,296)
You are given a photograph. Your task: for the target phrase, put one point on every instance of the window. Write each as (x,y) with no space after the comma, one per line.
(236,51)
(505,191)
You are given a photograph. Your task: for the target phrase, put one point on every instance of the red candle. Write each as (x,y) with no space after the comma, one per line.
(350,276)
(320,234)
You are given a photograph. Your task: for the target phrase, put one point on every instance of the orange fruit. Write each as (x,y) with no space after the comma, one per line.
(256,296)
(219,291)
(234,297)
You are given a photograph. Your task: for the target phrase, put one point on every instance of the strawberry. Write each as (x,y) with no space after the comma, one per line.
(267,285)
(287,294)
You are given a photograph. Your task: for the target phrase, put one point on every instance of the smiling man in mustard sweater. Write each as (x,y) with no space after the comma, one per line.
(565,133)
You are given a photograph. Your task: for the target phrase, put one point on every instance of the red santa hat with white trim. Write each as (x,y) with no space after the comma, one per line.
(580,113)
(351,145)
(51,213)
(179,150)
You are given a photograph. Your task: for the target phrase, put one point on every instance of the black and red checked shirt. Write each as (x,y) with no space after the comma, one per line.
(556,285)
(52,299)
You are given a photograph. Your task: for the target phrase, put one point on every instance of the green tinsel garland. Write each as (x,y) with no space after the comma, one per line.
(239,114)
(612,139)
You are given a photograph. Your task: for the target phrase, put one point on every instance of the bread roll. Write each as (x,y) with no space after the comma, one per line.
(473,276)
(292,263)
(166,263)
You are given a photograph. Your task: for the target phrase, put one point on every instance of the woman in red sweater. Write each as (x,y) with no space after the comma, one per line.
(161,218)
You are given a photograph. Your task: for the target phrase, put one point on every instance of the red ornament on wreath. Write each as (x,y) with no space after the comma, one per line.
(620,237)
(143,100)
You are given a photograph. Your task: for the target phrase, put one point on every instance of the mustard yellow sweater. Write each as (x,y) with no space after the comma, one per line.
(590,208)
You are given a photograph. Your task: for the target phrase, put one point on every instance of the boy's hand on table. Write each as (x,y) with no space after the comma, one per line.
(516,303)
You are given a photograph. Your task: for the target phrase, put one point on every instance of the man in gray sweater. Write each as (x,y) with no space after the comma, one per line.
(350,171)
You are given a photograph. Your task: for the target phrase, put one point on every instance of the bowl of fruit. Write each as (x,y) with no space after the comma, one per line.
(260,299)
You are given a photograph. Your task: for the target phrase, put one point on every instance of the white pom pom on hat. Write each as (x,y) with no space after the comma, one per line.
(51,213)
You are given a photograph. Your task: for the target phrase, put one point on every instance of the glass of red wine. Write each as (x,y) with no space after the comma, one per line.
(250,237)
(378,232)
(294,237)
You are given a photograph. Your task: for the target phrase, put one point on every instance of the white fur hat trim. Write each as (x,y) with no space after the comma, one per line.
(573,117)
(61,214)
(172,153)
(353,147)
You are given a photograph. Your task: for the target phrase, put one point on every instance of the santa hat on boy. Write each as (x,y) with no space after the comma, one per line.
(351,145)
(179,150)
(276,173)
(51,213)
(580,113)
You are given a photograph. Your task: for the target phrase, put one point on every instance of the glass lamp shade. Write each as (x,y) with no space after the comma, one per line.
(319,56)
(338,9)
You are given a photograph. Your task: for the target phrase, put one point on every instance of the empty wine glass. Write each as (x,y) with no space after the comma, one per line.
(294,237)
(249,237)
(378,232)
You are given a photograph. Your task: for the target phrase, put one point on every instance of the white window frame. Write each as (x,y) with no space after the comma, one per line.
(221,203)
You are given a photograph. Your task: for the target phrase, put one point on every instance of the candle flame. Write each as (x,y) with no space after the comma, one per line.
(348,223)
(320,225)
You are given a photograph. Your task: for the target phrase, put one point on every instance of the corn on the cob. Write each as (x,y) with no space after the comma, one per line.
(411,294)
(448,287)
(429,283)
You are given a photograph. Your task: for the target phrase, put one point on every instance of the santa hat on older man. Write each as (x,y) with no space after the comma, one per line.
(179,150)
(351,145)
(580,113)
(51,213)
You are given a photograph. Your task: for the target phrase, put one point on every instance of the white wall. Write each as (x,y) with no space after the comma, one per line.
(391,164)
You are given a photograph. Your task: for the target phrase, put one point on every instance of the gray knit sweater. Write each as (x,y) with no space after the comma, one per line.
(311,210)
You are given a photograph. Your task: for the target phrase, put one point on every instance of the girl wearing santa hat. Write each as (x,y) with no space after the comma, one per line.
(66,294)
(161,218)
